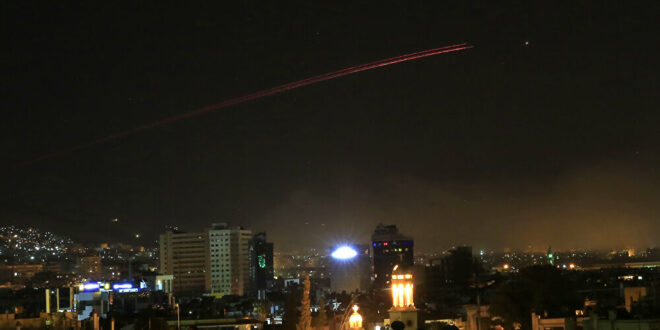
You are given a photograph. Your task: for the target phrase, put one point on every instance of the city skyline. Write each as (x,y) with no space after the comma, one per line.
(31,241)
(329,165)
(543,134)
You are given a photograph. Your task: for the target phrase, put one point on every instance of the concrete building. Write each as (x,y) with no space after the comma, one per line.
(159,282)
(261,265)
(594,322)
(633,295)
(477,317)
(454,270)
(19,273)
(474,318)
(389,248)
(229,259)
(224,323)
(66,320)
(403,306)
(185,255)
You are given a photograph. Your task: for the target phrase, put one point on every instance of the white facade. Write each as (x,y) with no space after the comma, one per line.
(229,258)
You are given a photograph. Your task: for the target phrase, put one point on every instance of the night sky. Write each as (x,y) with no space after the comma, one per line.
(545,133)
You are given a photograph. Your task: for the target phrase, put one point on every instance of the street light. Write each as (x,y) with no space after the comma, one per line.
(178,317)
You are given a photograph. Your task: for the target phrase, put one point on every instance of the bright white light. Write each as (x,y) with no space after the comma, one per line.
(118,286)
(91,286)
(344,252)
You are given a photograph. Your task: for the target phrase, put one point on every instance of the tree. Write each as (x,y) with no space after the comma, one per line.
(291,301)
(510,303)
(247,307)
(539,289)
(322,318)
(305,320)
(261,309)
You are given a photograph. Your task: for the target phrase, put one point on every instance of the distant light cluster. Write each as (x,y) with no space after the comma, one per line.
(121,252)
(299,263)
(32,245)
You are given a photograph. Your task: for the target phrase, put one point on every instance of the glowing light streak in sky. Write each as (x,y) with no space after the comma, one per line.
(257,95)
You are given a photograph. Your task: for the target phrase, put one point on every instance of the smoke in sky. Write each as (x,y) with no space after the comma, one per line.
(599,207)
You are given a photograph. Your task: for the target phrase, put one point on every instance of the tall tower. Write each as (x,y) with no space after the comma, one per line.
(261,265)
(229,259)
(403,307)
(184,256)
(390,248)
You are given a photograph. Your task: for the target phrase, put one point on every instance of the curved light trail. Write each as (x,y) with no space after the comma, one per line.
(257,95)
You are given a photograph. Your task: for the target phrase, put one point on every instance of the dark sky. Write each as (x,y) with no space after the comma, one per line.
(546,133)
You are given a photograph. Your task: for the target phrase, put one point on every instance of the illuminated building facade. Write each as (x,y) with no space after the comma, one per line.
(184,255)
(402,289)
(355,321)
(389,248)
(261,265)
(350,268)
(229,259)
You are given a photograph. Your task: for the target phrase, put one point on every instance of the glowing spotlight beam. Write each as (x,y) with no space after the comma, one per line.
(257,95)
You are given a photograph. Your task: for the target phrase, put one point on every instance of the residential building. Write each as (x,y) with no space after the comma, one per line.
(229,259)
(185,255)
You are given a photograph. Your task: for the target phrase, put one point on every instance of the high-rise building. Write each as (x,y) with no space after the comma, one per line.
(390,248)
(229,259)
(184,255)
(261,265)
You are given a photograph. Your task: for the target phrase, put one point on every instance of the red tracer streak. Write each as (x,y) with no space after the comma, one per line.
(260,94)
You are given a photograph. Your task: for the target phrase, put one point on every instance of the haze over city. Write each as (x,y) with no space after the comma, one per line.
(543,134)
(330,165)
